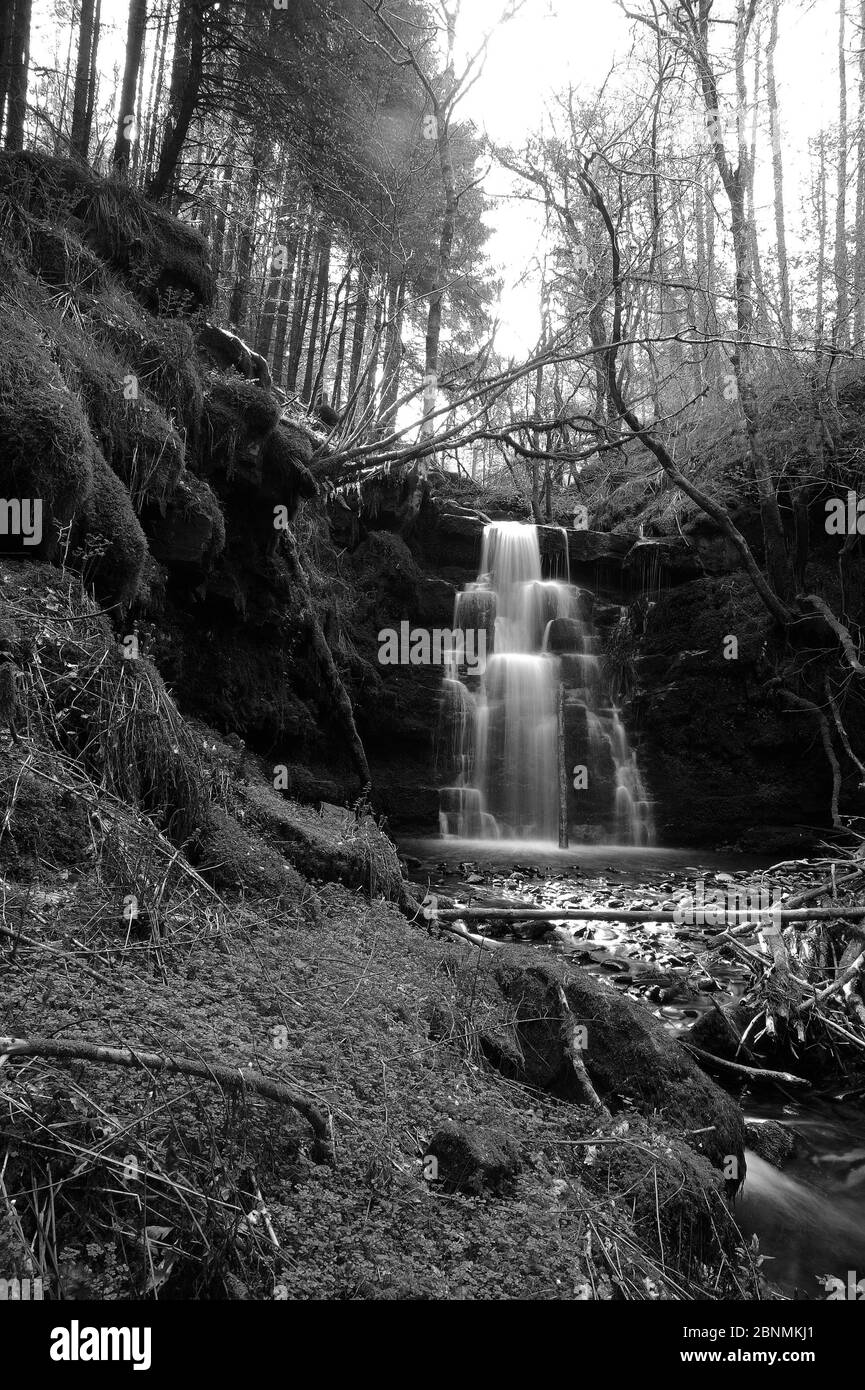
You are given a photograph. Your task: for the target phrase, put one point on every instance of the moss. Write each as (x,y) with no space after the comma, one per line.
(238,416)
(46,823)
(136,438)
(109,517)
(285,478)
(351,849)
(190,532)
(164,261)
(233,859)
(58,257)
(45,440)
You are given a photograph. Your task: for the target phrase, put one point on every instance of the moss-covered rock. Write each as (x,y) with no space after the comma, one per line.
(235,860)
(45,441)
(471,1158)
(628,1054)
(112,537)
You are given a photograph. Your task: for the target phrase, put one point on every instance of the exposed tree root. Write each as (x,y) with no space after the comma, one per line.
(230,1078)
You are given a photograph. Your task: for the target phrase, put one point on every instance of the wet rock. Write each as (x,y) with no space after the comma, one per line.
(771,1141)
(629,1055)
(472,1158)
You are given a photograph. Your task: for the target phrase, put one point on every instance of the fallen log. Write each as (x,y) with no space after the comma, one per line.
(231,1078)
(759,917)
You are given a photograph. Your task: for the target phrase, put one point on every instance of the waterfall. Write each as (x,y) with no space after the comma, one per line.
(498,729)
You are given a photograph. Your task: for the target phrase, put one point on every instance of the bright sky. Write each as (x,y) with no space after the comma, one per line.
(552,43)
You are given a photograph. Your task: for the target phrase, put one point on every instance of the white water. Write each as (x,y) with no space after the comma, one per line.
(498,729)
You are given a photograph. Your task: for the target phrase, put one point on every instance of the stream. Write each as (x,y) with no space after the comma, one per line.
(809,1219)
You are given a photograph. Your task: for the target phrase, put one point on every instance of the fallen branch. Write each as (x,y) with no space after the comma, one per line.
(231,1078)
(756,1073)
(587,1093)
(20,939)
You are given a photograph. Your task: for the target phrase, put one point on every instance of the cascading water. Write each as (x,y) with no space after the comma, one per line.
(498,730)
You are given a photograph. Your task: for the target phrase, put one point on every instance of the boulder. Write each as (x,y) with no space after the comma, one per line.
(472,1158)
(771,1141)
(629,1055)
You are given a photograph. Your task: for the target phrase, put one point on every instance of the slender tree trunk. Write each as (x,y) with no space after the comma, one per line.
(127,116)
(140,130)
(859,272)
(759,287)
(843,328)
(434,317)
(370,386)
(822,227)
(778,178)
(239,306)
(19,71)
(361,312)
(93,82)
(79,134)
(154,98)
(328,327)
(317,311)
(300,308)
(392,361)
(285,302)
(67,77)
(6,15)
(339,368)
(279,257)
(735,182)
(186,74)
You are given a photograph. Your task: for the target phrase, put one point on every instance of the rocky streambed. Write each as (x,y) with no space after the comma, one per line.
(801,1205)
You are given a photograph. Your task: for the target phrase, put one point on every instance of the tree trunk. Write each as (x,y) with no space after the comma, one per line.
(154,96)
(19,71)
(186,74)
(434,317)
(343,334)
(300,308)
(79,135)
(822,227)
(139,109)
(239,306)
(843,328)
(58,137)
(392,352)
(279,266)
(361,311)
(735,182)
(778,179)
(285,301)
(317,313)
(368,392)
(859,268)
(127,115)
(6,14)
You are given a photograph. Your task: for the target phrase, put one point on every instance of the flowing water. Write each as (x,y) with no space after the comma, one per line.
(502,726)
(499,726)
